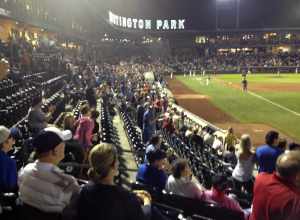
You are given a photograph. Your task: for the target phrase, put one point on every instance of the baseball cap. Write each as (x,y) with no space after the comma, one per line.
(49,138)
(4,134)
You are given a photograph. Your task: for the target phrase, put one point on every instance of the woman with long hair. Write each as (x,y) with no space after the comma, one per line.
(242,173)
(101,198)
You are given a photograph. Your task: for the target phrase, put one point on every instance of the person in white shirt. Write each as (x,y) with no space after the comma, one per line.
(243,171)
(208,137)
(218,146)
(42,185)
(180,182)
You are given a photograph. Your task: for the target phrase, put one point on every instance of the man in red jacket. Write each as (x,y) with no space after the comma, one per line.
(277,195)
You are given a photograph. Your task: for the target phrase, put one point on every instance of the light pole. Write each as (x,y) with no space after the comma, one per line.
(237,14)
(216,18)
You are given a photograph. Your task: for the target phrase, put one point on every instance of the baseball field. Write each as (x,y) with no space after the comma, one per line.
(272,102)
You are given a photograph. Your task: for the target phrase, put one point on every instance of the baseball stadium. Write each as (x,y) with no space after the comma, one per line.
(149,109)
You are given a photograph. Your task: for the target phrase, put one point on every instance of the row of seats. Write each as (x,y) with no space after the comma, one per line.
(173,206)
(107,131)
(52,85)
(205,164)
(15,106)
(134,137)
(7,87)
(16,98)
(179,207)
(202,160)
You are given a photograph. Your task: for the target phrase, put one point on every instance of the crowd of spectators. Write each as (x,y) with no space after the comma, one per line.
(235,62)
(44,188)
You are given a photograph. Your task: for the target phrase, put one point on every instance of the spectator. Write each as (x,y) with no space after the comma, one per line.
(282,144)
(217,194)
(69,122)
(229,156)
(73,150)
(176,119)
(196,139)
(149,123)
(208,137)
(91,96)
(154,144)
(230,139)
(42,184)
(188,132)
(168,124)
(277,195)
(242,173)
(37,119)
(85,127)
(8,168)
(4,68)
(152,173)
(267,154)
(94,116)
(218,145)
(294,146)
(180,182)
(171,155)
(101,198)
(140,114)
(165,103)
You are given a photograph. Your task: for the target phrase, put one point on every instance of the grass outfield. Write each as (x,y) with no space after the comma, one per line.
(247,108)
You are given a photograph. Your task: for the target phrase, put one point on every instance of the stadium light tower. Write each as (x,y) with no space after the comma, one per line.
(237,14)
(237,19)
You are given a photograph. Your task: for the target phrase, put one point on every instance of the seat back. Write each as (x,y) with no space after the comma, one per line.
(195,207)
(30,213)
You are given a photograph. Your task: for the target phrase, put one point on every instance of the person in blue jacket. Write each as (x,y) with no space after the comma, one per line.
(8,167)
(266,155)
(152,173)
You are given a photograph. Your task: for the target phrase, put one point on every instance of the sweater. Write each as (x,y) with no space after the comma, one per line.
(45,187)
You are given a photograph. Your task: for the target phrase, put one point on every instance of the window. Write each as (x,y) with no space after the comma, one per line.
(201,40)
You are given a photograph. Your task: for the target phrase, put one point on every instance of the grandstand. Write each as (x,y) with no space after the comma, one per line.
(149,110)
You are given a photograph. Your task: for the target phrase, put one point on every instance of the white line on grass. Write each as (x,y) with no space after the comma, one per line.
(274,103)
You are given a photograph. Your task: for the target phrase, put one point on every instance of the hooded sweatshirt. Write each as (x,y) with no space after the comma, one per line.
(84,132)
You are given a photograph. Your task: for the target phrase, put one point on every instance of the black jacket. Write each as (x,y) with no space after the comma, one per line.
(97,202)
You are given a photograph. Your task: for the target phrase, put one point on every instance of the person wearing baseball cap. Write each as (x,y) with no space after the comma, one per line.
(8,167)
(42,184)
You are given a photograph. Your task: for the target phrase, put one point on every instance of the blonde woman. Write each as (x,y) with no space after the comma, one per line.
(69,122)
(102,199)
(242,173)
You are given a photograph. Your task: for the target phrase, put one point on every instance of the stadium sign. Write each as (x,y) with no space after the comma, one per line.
(146,24)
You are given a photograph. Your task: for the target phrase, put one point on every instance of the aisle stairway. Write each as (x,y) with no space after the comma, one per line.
(128,165)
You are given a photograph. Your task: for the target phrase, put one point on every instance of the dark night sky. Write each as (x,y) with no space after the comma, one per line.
(200,14)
